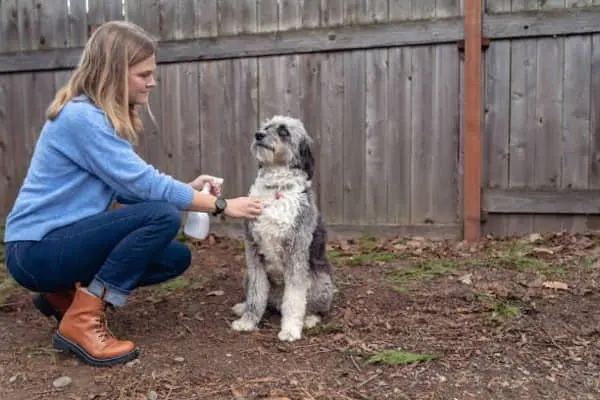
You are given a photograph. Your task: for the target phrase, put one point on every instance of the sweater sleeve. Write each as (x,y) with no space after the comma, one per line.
(95,145)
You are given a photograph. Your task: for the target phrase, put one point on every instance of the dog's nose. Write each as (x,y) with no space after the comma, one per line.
(259,135)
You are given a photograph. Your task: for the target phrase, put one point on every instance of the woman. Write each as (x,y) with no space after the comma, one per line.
(62,239)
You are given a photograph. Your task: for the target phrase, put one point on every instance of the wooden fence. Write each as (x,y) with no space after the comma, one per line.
(378,83)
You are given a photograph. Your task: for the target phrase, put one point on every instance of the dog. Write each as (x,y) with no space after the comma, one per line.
(287,268)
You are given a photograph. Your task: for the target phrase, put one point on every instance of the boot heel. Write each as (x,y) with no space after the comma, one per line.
(60,344)
(43,306)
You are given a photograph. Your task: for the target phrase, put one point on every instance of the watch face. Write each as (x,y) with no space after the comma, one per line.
(220,204)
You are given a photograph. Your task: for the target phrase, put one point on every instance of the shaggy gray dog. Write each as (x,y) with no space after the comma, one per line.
(287,267)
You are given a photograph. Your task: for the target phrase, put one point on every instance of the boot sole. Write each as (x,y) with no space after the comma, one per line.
(46,308)
(67,346)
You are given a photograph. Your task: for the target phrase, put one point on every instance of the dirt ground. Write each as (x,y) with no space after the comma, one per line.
(413,319)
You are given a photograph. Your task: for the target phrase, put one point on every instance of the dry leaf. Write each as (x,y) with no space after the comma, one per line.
(216,293)
(466,279)
(542,250)
(556,285)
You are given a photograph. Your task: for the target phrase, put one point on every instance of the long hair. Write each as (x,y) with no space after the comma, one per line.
(102,75)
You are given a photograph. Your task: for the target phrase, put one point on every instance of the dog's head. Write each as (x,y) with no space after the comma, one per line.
(283,141)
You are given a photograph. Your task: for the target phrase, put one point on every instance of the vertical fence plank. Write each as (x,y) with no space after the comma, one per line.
(423,58)
(245,104)
(212,103)
(445,140)
(147,15)
(523,121)
(78,24)
(354,135)
(332,124)
(270,99)
(594,157)
(497,117)
(397,157)
(9,31)
(576,113)
(376,129)
(310,92)
(548,119)
(107,10)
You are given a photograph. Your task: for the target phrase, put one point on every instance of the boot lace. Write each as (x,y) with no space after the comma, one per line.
(101,328)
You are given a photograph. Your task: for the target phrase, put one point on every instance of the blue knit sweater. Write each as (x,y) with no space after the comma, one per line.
(78,168)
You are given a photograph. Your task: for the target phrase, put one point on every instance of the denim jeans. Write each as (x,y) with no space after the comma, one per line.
(111,253)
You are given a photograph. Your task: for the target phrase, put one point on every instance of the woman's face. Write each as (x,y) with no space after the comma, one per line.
(141,80)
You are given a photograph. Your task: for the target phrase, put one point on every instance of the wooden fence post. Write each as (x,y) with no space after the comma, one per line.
(472,120)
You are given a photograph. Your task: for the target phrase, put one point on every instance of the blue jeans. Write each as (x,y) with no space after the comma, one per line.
(111,253)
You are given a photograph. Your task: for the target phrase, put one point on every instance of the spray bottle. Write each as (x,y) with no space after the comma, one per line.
(197,224)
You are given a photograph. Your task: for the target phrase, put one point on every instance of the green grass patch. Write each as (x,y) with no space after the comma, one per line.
(517,256)
(396,357)
(323,329)
(423,270)
(370,258)
(178,283)
(501,310)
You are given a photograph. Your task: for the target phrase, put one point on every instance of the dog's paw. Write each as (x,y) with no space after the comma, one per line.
(290,335)
(311,320)
(243,325)
(239,309)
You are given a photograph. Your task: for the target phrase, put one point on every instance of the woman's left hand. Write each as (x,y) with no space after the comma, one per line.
(199,182)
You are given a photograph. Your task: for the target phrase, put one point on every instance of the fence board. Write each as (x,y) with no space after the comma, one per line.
(212,105)
(10,141)
(594,150)
(576,128)
(100,11)
(376,117)
(423,123)
(354,139)
(496,153)
(446,133)
(397,160)
(7,162)
(78,24)
(332,137)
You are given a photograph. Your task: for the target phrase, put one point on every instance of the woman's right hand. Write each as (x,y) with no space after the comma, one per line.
(243,207)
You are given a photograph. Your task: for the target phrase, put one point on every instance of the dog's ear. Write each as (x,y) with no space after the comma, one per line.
(307,161)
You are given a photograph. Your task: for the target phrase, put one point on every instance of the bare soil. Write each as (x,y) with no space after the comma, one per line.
(413,319)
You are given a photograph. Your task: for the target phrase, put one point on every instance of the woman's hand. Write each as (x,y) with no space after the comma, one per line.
(199,182)
(243,207)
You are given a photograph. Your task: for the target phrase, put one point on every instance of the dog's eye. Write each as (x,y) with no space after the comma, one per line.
(282,131)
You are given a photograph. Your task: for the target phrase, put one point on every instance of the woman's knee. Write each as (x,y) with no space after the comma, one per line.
(166,214)
(178,256)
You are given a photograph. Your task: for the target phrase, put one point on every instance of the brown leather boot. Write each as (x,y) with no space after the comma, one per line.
(84,331)
(54,304)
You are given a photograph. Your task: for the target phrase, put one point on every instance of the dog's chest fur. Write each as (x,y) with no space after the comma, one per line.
(284,196)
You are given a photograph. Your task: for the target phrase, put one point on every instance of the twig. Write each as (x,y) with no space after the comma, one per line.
(366,381)
(355,364)
(18,303)
(541,329)
(43,392)
(187,328)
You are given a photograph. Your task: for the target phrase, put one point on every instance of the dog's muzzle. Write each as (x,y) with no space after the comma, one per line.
(259,141)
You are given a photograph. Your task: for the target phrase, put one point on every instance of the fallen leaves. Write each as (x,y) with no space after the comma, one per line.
(555,285)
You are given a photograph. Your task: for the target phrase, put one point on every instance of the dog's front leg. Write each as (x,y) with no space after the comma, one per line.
(293,306)
(257,293)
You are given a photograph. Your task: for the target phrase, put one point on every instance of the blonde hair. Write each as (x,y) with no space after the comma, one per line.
(102,75)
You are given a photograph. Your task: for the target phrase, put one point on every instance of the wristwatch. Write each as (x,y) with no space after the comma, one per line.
(220,205)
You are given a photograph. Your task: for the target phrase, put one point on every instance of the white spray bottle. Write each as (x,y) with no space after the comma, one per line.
(197,224)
